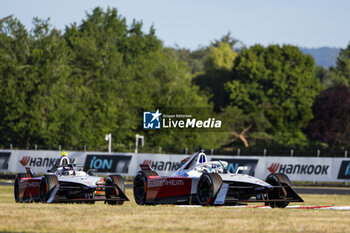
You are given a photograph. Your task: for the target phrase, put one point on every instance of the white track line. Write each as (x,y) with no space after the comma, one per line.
(268,207)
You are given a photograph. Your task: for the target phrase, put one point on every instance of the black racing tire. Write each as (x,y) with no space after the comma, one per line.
(16,190)
(47,184)
(277,179)
(140,186)
(208,187)
(114,180)
(16,185)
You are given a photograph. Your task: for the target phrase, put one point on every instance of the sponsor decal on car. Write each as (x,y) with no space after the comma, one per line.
(164,182)
(35,184)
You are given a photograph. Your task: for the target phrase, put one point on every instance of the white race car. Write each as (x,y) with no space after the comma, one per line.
(198,181)
(67,182)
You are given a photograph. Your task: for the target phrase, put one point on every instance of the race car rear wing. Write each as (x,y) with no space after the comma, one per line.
(145,167)
(29,172)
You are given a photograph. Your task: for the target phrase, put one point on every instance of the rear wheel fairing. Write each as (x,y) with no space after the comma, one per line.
(28,189)
(159,187)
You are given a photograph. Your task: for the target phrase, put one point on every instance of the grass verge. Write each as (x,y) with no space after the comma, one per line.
(38,217)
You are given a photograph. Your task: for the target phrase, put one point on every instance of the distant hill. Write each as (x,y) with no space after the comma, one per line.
(324,56)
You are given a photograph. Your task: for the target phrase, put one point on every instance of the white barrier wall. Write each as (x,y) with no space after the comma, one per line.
(297,168)
(301,168)
(14,161)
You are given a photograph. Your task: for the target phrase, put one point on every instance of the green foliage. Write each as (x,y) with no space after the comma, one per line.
(331,124)
(218,65)
(342,69)
(126,71)
(227,39)
(95,79)
(221,57)
(249,126)
(33,68)
(329,78)
(195,60)
(71,88)
(279,82)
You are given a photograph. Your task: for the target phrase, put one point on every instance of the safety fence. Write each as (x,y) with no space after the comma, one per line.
(297,168)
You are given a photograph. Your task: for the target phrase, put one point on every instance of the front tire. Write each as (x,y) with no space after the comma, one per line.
(278,179)
(110,192)
(208,186)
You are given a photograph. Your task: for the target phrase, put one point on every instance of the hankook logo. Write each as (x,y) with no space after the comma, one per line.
(25,160)
(39,161)
(309,169)
(273,167)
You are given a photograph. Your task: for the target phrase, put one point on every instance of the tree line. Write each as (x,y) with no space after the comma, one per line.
(73,87)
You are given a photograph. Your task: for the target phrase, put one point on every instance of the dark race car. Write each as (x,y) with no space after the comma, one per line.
(201,182)
(67,182)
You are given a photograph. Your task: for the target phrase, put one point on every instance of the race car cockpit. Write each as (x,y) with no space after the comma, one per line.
(63,166)
(198,164)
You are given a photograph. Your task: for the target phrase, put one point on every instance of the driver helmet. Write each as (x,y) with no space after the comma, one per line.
(65,170)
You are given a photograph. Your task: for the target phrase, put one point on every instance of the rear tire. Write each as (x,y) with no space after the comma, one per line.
(208,186)
(277,179)
(140,186)
(16,185)
(47,185)
(110,192)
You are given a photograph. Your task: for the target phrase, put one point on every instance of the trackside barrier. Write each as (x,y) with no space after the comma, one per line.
(127,164)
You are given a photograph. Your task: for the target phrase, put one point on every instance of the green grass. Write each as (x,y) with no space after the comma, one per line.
(38,217)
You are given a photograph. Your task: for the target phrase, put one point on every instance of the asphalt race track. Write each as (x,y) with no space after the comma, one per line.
(268,207)
(328,191)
